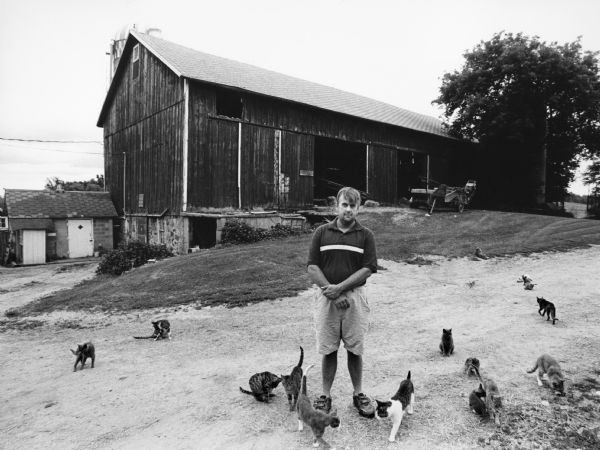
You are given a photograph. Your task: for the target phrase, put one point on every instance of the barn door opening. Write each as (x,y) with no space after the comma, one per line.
(412,172)
(337,164)
(203,232)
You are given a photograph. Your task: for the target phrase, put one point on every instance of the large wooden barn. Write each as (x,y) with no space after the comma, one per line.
(189,136)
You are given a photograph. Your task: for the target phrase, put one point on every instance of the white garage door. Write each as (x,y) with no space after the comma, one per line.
(34,246)
(81,238)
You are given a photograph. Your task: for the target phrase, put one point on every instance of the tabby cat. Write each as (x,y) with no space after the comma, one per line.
(293,382)
(262,385)
(547,308)
(315,419)
(403,400)
(83,352)
(546,364)
(471,367)
(447,344)
(477,400)
(162,330)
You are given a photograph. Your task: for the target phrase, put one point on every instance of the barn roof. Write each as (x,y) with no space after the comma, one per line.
(30,204)
(195,65)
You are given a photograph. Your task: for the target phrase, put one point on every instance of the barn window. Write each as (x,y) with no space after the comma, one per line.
(135,61)
(229,104)
(3,223)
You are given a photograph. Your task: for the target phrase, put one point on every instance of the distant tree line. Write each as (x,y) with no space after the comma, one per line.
(94,184)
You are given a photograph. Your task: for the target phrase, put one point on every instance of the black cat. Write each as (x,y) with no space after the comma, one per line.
(547,308)
(447,344)
(477,400)
(83,352)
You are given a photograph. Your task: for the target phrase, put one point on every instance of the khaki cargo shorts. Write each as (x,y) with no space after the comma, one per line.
(349,325)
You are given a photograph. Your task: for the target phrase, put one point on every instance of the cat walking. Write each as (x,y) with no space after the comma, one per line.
(403,400)
(83,352)
(547,308)
(317,420)
(547,365)
(292,382)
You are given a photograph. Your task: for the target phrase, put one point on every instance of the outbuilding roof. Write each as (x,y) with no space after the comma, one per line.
(35,204)
(195,65)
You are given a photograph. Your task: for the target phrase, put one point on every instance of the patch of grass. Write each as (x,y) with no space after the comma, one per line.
(267,270)
(25,324)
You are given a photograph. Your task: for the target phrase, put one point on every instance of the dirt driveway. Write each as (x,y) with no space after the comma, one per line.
(183,393)
(21,285)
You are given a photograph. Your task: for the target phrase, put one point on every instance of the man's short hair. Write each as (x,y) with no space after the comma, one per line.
(350,193)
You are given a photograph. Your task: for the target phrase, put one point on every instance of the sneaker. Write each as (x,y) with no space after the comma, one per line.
(364,405)
(323,404)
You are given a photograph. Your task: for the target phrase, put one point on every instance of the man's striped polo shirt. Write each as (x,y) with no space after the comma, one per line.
(338,254)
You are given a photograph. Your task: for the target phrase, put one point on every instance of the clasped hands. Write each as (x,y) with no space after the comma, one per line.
(333,292)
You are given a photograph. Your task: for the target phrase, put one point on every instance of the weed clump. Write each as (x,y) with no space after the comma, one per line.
(130,255)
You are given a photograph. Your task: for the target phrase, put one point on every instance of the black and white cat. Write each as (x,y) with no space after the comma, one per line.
(403,400)
(477,400)
(162,330)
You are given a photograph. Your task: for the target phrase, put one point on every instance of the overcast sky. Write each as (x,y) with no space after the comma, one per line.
(54,68)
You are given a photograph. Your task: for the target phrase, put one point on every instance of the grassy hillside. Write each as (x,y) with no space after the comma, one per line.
(239,275)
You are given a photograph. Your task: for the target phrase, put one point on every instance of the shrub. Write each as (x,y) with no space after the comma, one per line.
(239,232)
(130,255)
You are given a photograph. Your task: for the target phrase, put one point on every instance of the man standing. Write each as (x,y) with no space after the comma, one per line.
(342,256)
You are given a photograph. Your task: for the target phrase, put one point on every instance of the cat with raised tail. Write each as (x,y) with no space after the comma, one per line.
(83,352)
(447,343)
(162,330)
(292,382)
(317,420)
(546,364)
(403,400)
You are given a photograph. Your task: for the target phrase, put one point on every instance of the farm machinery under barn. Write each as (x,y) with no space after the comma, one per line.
(443,195)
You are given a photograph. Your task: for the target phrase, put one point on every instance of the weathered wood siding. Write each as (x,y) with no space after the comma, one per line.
(309,120)
(382,175)
(144,130)
(257,174)
(263,121)
(222,163)
(297,163)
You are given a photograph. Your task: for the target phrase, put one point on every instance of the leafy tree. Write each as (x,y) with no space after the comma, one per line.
(591,177)
(96,184)
(534,108)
